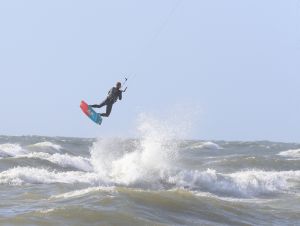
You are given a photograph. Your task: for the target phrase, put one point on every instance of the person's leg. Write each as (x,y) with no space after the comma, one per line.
(99,105)
(108,110)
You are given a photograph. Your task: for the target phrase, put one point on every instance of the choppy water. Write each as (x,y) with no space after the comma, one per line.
(153,180)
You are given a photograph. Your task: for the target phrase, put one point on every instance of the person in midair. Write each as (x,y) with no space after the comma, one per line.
(114,94)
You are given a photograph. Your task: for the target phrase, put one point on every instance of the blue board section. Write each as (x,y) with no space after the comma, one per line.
(96,117)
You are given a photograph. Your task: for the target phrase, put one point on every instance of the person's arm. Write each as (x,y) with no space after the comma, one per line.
(120,95)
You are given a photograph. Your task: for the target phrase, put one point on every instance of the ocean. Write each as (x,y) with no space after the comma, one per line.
(151,180)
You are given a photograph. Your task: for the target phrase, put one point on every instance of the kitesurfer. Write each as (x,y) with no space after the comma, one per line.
(114,94)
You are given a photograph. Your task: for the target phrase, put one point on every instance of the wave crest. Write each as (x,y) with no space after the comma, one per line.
(47,144)
(11,150)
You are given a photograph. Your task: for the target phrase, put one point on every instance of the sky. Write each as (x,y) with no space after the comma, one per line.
(229,68)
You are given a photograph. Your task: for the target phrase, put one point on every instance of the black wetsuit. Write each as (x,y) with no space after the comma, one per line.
(113,95)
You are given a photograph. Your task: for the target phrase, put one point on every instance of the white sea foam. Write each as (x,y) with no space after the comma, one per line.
(63,160)
(11,150)
(206,145)
(47,144)
(29,175)
(291,153)
(155,154)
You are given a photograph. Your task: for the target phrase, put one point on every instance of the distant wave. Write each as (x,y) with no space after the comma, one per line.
(63,160)
(29,175)
(291,153)
(47,144)
(206,145)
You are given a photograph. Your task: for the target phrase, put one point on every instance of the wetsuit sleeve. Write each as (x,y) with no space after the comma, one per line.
(120,95)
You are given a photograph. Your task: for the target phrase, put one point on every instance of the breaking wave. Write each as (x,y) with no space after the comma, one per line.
(11,150)
(244,184)
(153,154)
(250,183)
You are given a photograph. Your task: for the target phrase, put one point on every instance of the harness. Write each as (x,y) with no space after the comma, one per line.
(113,94)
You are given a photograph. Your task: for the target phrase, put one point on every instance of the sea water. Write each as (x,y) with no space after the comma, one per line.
(155,179)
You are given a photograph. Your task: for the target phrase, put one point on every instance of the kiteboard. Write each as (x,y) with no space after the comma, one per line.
(94,116)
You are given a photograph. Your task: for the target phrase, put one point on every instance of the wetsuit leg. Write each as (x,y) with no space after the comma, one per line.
(105,102)
(108,110)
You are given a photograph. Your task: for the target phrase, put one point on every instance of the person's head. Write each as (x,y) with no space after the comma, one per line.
(119,85)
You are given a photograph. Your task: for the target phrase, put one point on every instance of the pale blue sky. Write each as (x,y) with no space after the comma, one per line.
(236,62)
